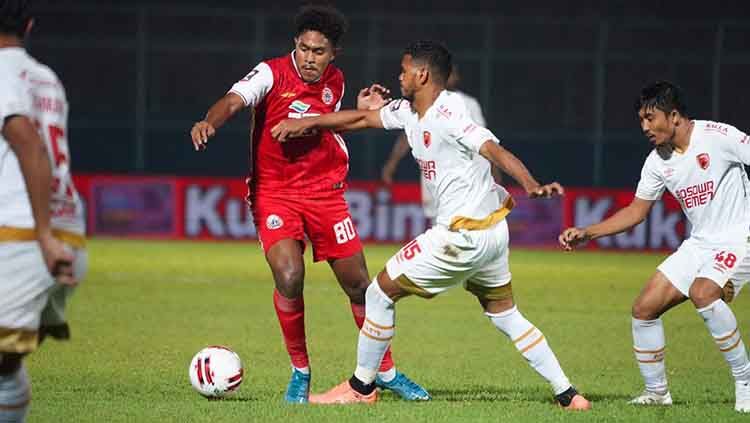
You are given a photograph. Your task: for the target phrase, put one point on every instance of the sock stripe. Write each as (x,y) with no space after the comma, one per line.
(525,334)
(649,351)
(379,326)
(732,347)
(658,360)
(533,344)
(724,338)
(16,406)
(376,338)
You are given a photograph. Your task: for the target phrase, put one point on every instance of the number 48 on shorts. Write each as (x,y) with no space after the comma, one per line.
(344,231)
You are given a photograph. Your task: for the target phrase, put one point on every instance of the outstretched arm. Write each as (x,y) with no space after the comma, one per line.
(621,221)
(217,115)
(346,120)
(511,165)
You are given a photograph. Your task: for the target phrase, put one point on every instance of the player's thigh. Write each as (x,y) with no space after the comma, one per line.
(431,263)
(24,287)
(330,228)
(277,219)
(723,265)
(491,280)
(657,296)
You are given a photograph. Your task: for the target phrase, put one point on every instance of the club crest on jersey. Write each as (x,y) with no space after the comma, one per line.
(274,222)
(299,106)
(427,138)
(327,96)
(703,160)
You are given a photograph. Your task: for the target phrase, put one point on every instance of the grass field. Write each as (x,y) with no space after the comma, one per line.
(147,307)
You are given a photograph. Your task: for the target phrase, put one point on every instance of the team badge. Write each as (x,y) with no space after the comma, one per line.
(426,138)
(703,160)
(327,96)
(274,222)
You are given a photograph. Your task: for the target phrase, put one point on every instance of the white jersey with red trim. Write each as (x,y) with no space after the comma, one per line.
(29,88)
(709,181)
(445,142)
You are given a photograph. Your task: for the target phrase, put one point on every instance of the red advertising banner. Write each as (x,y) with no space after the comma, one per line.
(215,208)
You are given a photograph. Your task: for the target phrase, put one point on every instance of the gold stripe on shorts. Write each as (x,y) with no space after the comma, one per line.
(407,285)
(13,234)
(471,224)
(18,340)
(493,293)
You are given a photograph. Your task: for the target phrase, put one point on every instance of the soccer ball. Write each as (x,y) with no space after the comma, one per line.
(216,371)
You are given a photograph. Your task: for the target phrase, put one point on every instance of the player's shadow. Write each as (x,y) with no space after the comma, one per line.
(490,394)
(233,399)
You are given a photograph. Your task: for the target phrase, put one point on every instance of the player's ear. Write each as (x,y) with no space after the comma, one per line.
(423,75)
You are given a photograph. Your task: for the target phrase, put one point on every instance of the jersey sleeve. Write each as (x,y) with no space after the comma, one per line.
(13,97)
(462,129)
(737,145)
(395,114)
(255,85)
(651,186)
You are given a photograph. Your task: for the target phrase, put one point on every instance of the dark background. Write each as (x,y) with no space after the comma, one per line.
(556,80)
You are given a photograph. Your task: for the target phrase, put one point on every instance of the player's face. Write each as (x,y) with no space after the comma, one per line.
(312,52)
(408,77)
(656,125)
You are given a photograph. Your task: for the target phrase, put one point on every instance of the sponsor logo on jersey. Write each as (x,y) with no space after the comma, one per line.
(327,96)
(703,160)
(274,222)
(427,138)
(696,195)
(428,168)
(470,128)
(444,111)
(288,94)
(299,106)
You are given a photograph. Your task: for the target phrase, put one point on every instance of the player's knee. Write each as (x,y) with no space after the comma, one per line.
(643,310)
(289,281)
(356,294)
(704,292)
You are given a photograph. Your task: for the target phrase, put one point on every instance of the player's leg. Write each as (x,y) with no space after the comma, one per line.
(706,294)
(15,390)
(665,289)
(531,343)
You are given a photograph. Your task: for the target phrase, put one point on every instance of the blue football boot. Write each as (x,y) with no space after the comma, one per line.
(298,389)
(404,387)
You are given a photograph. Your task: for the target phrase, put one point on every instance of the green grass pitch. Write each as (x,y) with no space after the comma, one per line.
(147,307)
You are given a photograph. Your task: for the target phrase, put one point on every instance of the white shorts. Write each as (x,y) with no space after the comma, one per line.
(719,262)
(25,288)
(440,259)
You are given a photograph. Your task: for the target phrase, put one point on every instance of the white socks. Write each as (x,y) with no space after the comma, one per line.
(531,344)
(15,394)
(722,324)
(649,348)
(376,333)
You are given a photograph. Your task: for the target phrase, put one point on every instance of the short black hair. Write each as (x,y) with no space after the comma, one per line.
(664,96)
(14,17)
(322,18)
(435,55)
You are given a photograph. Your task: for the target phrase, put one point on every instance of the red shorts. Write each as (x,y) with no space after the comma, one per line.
(325,220)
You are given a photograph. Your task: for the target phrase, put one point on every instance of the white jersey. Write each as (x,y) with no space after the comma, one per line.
(473,107)
(445,143)
(31,89)
(708,179)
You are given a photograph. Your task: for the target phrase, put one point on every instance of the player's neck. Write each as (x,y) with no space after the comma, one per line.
(10,41)
(424,98)
(681,140)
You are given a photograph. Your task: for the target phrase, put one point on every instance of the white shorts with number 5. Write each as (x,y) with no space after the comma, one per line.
(440,259)
(719,262)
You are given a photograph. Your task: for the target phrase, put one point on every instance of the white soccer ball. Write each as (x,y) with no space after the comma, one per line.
(216,371)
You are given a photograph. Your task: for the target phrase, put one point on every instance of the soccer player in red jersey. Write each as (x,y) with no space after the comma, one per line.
(297,189)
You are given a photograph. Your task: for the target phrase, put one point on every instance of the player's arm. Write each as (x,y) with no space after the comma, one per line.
(399,150)
(343,121)
(217,115)
(623,220)
(511,165)
(33,159)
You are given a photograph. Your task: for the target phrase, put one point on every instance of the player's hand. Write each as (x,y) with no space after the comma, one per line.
(573,237)
(200,133)
(58,258)
(373,97)
(546,191)
(290,128)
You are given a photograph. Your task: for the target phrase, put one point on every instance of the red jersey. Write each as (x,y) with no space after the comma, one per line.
(315,163)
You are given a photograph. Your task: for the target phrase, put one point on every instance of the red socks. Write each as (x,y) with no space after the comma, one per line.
(291,314)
